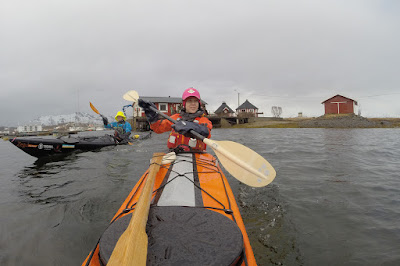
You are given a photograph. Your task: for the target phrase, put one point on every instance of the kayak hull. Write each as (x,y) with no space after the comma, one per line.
(42,147)
(193,186)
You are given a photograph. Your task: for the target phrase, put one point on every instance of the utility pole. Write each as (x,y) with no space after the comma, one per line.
(238,96)
(134,115)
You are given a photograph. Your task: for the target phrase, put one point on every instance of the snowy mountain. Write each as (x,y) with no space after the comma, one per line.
(78,117)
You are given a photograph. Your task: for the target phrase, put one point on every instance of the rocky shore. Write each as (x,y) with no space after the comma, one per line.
(345,121)
(327,121)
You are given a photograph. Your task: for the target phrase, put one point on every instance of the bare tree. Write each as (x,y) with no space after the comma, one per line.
(276,111)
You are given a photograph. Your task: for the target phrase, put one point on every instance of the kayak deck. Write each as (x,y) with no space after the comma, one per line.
(41,147)
(189,194)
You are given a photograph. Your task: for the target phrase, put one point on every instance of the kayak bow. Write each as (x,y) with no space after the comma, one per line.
(193,219)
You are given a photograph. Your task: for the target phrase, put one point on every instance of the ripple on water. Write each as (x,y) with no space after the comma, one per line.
(267,221)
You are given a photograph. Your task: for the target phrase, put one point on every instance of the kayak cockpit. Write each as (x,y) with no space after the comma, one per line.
(182,236)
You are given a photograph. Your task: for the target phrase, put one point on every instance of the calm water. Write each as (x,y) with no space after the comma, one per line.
(335,200)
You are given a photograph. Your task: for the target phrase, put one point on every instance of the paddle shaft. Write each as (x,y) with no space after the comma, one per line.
(131,248)
(194,133)
(241,162)
(260,178)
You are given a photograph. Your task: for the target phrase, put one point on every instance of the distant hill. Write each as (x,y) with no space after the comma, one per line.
(78,117)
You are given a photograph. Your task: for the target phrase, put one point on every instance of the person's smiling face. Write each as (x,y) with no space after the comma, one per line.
(192,105)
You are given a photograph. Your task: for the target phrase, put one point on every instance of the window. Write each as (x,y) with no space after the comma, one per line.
(163,107)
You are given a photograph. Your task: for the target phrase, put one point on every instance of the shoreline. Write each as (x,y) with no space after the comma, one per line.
(330,121)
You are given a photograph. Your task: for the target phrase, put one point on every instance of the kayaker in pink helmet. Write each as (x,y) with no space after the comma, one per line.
(191,117)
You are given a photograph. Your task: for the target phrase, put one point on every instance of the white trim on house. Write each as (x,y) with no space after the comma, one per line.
(163,107)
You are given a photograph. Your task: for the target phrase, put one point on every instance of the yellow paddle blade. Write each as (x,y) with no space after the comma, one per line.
(243,163)
(94,108)
(131,96)
(131,248)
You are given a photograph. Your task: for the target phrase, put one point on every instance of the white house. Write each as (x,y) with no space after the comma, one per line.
(6,131)
(29,128)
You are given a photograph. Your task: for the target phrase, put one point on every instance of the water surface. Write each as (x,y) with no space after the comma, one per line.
(335,200)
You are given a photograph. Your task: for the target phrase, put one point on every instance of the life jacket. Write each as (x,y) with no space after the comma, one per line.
(176,140)
(125,126)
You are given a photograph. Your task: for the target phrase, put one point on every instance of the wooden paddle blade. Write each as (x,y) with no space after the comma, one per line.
(131,248)
(94,108)
(131,96)
(243,163)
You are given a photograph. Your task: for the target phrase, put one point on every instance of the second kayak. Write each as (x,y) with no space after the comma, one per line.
(42,147)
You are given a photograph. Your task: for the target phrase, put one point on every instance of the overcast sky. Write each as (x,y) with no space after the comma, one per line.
(56,56)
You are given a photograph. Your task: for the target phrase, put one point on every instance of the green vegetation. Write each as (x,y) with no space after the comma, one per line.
(268,125)
(327,121)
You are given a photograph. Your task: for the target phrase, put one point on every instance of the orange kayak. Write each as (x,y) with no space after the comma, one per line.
(193,219)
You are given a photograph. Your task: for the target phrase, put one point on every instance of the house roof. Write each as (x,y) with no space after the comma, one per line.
(222,107)
(339,96)
(246,105)
(164,99)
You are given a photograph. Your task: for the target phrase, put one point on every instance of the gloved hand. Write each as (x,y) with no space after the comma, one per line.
(121,137)
(151,115)
(125,135)
(146,104)
(183,127)
(105,120)
(116,136)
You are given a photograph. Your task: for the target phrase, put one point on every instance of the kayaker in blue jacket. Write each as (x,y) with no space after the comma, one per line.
(122,128)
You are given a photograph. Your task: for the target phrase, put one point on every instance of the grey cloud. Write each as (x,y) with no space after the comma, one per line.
(50,50)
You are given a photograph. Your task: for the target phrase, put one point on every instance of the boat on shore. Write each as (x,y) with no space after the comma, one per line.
(42,147)
(193,219)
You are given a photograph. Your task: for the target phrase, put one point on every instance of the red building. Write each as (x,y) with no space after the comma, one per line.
(339,104)
(167,105)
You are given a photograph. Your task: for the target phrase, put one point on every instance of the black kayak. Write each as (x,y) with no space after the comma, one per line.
(42,147)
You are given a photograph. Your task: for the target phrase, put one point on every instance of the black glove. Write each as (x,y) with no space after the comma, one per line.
(183,127)
(125,135)
(105,120)
(116,136)
(121,138)
(151,115)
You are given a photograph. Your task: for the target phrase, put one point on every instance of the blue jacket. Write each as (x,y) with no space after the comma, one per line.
(125,126)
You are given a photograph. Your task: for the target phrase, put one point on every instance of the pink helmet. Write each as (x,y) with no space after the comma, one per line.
(190,92)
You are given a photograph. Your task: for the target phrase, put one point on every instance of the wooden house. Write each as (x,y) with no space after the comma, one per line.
(224,111)
(247,109)
(339,104)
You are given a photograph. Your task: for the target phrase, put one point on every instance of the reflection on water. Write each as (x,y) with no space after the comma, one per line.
(334,201)
(47,181)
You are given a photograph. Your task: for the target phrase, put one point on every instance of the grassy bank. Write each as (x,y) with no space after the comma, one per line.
(269,124)
(331,121)
(387,122)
